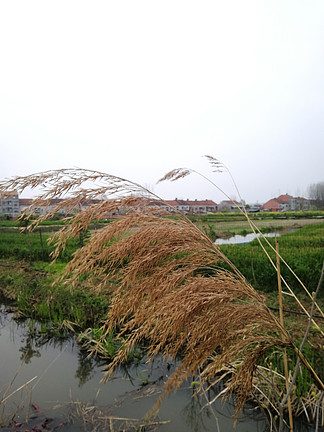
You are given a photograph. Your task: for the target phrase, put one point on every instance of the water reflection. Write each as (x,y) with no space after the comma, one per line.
(28,351)
(33,343)
(69,393)
(33,340)
(197,417)
(84,371)
(242,239)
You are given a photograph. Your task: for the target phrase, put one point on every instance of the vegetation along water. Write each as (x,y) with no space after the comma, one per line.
(150,286)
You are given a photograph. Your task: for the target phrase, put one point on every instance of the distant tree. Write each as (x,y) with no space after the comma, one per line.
(316,194)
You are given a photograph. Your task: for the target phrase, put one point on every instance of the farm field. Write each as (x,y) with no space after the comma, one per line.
(225,228)
(302,249)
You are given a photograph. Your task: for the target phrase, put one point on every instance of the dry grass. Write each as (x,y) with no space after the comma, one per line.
(164,281)
(171,292)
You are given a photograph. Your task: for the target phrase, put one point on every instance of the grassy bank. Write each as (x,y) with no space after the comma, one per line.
(56,309)
(32,294)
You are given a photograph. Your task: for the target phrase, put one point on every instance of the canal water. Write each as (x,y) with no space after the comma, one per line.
(242,239)
(66,393)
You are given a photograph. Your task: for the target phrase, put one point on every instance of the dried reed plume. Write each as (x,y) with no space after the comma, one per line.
(164,279)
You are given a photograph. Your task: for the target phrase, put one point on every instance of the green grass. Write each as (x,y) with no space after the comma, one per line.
(31,246)
(17,223)
(303,250)
(35,296)
(236,216)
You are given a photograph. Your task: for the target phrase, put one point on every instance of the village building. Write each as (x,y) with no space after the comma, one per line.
(45,207)
(286,202)
(10,204)
(186,206)
(230,206)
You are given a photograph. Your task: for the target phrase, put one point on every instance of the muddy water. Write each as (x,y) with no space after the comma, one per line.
(66,393)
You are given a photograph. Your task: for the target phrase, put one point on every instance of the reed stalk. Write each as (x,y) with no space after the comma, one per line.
(281,317)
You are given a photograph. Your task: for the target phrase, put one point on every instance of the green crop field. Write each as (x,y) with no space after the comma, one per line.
(303,249)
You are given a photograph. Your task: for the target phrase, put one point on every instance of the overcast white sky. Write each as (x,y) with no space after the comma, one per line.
(137,88)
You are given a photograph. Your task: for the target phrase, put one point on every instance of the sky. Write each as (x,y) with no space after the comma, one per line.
(137,88)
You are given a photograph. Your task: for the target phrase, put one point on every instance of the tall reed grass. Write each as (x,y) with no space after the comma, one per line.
(166,281)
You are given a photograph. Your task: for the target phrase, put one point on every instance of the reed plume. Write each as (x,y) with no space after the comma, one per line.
(164,279)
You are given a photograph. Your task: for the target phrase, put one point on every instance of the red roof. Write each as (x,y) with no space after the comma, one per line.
(25,201)
(187,202)
(202,203)
(171,203)
(284,199)
(272,204)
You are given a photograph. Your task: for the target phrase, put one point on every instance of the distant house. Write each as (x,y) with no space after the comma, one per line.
(187,206)
(229,205)
(38,207)
(171,205)
(197,206)
(24,204)
(44,207)
(10,204)
(272,205)
(286,203)
(300,203)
